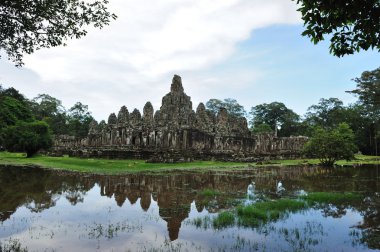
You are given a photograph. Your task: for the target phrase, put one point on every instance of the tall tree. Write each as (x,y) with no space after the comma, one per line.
(327,113)
(29,25)
(231,105)
(79,120)
(50,110)
(353,24)
(368,92)
(13,108)
(275,114)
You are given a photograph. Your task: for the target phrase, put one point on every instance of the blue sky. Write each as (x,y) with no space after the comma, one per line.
(294,70)
(250,50)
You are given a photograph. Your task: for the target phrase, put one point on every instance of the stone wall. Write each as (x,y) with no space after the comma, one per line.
(177,133)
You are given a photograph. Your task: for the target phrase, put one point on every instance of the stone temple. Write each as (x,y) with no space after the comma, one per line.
(177,133)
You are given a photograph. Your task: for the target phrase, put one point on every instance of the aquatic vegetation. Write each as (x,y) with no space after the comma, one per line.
(262,212)
(12,245)
(223,220)
(209,192)
(200,222)
(332,198)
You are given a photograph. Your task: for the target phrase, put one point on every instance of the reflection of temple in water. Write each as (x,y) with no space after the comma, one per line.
(173,192)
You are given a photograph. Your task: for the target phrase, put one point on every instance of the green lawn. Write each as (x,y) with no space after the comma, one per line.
(108,166)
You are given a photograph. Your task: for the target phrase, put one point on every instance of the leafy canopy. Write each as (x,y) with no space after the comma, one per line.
(29,25)
(231,105)
(274,114)
(368,90)
(353,24)
(331,145)
(27,137)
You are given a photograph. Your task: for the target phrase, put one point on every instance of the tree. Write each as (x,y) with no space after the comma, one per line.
(29,25)
(50,110)
(13,107)
(368,92)
(29,137)
(262,128)
(79,120)
(231,105)
(331,145)
(328,113)
(275,114)
(353,24)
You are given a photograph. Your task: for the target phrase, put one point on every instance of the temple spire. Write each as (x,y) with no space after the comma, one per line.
(176,86)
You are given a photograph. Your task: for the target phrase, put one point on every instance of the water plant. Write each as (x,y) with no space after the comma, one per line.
(223,220)
(209,192)
(332,198)
(262,212)
(12,245)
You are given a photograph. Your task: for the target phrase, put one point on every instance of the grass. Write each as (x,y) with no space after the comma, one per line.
(111,166)
(223,220)
(209,193)
(262,212)
(108,166)
(332,198)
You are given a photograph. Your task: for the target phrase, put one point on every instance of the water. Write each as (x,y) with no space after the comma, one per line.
(43,210)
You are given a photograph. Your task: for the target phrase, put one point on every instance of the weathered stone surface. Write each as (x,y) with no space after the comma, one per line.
(148,114)
(112,119)
(177,134)
(123,116)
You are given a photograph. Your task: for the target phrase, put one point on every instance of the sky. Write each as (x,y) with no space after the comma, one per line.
(249,50)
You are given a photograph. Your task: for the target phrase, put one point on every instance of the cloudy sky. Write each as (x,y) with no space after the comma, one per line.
(250,50)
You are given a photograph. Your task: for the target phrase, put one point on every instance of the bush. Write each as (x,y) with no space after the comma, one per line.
(29,137)
(331,145)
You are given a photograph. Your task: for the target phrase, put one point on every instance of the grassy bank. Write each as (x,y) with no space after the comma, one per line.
(107,166)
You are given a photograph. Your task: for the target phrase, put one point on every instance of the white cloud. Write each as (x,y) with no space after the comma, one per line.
(133,59)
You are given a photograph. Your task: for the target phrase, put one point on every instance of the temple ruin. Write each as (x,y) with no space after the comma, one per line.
(177,133)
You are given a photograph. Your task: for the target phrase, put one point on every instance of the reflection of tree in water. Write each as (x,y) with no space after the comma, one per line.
(36,189)
(174,192)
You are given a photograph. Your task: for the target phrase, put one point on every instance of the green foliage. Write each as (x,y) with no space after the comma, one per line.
(332,198)
(79,119)
(28,25)
(354,24)
(328,113)
(223,220)
(331,145)
(208,193)
(275,114)
(50,110)
(45,105)
(262,212)
(262,128)
(12,110)
(231,105)
(27,137)
(368,90)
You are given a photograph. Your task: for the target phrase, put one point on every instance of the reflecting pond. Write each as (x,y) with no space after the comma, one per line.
(46,210)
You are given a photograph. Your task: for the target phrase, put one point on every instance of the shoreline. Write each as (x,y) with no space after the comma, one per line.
(120,167)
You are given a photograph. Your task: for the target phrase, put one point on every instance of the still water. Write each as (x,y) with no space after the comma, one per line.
(44,210)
